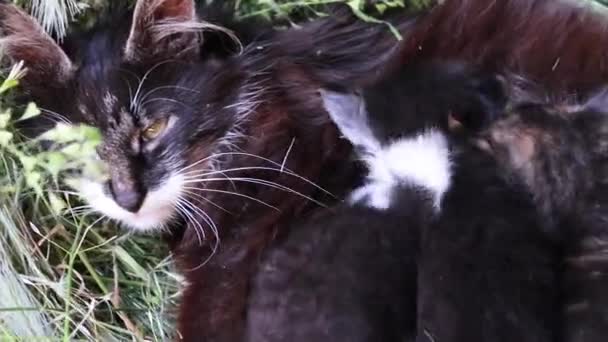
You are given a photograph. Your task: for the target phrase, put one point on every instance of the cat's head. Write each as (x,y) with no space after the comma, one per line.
(160,108)
(171,106)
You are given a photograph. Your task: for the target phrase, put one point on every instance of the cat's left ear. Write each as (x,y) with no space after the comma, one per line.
(163,29)
(23,39)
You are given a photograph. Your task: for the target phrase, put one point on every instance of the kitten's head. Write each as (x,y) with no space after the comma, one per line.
(161,110)
(542,146)
(450,97)
(400,125)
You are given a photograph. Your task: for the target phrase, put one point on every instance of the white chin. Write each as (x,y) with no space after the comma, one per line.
(158,208)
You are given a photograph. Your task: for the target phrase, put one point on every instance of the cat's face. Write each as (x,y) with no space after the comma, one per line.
(156,136)
(162,113)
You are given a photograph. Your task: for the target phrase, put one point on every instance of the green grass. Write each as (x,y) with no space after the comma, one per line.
(66,274)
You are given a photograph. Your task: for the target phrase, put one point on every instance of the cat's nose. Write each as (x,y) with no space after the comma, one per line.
(126,195)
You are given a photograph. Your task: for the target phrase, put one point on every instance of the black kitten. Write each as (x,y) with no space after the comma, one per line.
(350,275)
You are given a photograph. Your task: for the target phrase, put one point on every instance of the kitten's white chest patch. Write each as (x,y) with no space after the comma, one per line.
(422,160)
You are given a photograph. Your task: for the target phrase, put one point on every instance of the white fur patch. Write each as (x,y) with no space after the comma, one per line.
(157,209)
(422,160)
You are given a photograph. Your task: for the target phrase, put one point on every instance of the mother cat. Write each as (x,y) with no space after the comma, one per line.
(188,123)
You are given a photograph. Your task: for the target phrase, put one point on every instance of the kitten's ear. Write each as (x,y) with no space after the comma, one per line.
(163,29)
(23,39)
(348,112)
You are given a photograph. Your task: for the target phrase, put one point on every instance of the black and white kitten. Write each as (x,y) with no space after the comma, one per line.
(350,274)
(486,268)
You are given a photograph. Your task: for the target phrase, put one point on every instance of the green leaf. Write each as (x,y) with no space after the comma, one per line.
(8,84)
(29,163)
(57,204)
(33,180)
(357,5)
(72,149)
(381,8)
(129,262)
(55,163)
(5,118)
(5,138)
(31,111)
(91,134)
(61,133)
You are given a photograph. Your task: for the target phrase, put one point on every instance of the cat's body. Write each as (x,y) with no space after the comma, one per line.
(262,102)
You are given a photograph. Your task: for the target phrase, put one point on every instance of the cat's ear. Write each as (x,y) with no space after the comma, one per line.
(348,112)
(23,39)
(163,29)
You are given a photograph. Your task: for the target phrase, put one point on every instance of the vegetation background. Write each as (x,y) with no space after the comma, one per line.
(66,274)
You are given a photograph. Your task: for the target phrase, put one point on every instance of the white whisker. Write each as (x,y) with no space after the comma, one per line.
(143,98)
(189,218)
(201,197)
(235,194)
(135,103)
(191,174)
(293,141)
(259,182)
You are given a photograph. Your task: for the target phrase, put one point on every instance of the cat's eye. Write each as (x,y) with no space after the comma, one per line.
(154,130)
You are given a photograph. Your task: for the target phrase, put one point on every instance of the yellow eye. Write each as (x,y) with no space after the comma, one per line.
(154,130)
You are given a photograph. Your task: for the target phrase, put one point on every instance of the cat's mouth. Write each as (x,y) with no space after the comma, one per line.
(157,210)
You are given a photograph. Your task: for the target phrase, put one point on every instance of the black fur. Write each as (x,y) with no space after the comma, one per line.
(340,277)
(351,275)
(487,270)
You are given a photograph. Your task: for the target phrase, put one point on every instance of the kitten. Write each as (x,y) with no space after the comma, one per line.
(350,274)
(560,154)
